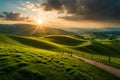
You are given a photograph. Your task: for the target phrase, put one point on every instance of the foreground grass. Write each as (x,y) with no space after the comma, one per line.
(19,63)
(24,58)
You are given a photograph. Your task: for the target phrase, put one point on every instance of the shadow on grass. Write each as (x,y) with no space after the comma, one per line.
(33,43)
(31,75)
(65,40)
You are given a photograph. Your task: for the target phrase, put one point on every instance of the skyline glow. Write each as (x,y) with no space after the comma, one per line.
(58,13)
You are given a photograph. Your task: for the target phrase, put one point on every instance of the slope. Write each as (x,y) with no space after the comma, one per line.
(31,63)
(30,30)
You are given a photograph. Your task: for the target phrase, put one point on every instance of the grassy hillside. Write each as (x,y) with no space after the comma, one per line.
(32,58)
(101,51)
(101,34)
(31,30)
(96,50)
(65,40)
(94,35)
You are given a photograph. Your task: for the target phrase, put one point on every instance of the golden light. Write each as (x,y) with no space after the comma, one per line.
(40,22)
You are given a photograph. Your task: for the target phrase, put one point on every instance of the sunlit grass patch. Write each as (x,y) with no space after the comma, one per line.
(23,61)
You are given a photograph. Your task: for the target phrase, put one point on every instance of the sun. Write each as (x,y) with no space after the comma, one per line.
(40,22)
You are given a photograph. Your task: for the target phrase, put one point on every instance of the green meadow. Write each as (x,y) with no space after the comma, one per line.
(44,58)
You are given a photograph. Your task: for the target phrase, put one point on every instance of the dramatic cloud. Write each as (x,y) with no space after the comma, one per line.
(14,16)
(90,9)
(53,4)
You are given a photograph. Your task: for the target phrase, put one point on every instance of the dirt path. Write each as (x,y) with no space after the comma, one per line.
(107,68)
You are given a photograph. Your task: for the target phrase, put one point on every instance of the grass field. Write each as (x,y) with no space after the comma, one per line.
(42,58)
(99,50)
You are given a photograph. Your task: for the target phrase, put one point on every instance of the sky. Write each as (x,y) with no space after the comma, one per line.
(62,13)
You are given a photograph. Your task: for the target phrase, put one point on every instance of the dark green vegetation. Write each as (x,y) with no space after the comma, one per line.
(30,30)
(107,52)
(42,58)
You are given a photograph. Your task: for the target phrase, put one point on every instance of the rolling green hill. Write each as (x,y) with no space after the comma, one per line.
(31,30)
(41,58)
(101,51)
(65,40)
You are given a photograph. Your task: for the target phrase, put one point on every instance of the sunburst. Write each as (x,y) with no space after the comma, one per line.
(40,22)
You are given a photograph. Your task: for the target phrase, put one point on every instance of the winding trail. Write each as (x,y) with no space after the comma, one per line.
(107,68)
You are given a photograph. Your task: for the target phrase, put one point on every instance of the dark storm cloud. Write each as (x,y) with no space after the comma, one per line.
(90,9)
(69,5)
(53,4)
(14,16)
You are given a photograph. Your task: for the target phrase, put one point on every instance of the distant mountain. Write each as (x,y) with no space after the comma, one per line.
(31,30)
